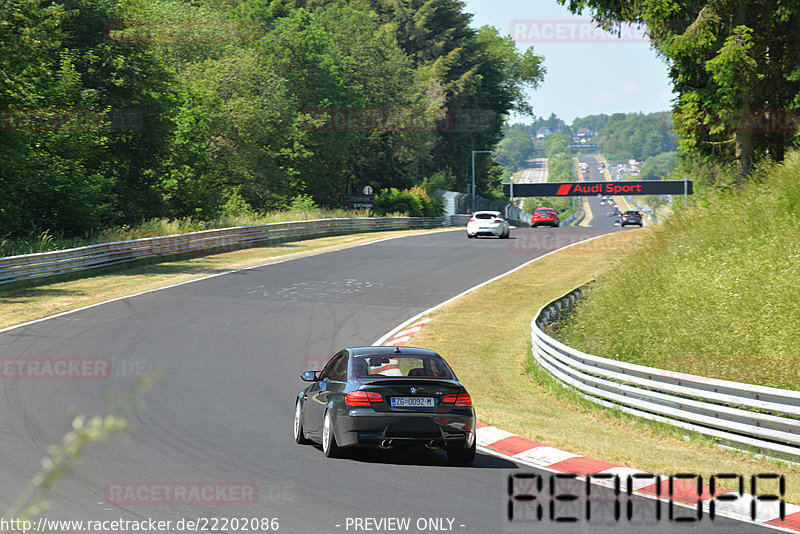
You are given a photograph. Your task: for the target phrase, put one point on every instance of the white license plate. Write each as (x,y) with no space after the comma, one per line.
(403,402)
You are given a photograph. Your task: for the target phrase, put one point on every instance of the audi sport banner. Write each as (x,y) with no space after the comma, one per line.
(584,189)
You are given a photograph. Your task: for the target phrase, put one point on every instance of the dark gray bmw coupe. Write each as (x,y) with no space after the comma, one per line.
(386,397)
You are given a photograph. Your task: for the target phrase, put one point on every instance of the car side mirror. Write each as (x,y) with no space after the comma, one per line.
(310,376)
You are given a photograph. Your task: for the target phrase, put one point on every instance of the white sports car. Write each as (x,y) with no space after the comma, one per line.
(489,223)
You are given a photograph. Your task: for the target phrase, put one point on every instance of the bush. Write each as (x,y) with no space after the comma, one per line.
(443,179)
(560,168)
(414,202)
(236,205)
(302,203)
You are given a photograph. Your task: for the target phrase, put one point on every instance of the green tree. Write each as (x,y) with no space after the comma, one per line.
(733,65)
(474,76)
(560,168)
(556,144)
(658,167)
(231,134)
(120,111)
(393,149)
(636,136)
(514,149)
(595,123)
(87,120)
(133,85)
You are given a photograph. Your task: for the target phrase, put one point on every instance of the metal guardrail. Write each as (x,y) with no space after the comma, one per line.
(741,415)
(33,266)
(576,215)
(459,205)
(460,219)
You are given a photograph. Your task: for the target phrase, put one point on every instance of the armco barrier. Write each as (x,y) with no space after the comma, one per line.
(459,205)
(31,266)
(460,220)
(742,415)
(576,216)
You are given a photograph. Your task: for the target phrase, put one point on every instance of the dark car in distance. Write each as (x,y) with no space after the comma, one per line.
(386,397)
(631,217)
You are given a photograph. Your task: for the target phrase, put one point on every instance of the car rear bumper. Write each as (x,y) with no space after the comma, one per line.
(492,231)
(374,428)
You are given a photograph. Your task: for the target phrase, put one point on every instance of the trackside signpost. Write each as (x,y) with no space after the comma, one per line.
(581,189)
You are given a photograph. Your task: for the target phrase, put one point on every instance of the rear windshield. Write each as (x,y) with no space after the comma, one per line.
(485,216)
(631,213)
(545,210)
(398,365)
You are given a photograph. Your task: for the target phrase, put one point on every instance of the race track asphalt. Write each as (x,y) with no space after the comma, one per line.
(232,348)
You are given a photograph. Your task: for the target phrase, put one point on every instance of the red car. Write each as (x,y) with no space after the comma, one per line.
(545,217)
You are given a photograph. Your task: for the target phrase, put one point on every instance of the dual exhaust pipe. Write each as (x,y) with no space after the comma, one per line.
(388,444)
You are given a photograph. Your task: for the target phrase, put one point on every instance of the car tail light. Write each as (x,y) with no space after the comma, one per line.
(498,220)
(460,400)
(463,399)
(362,398)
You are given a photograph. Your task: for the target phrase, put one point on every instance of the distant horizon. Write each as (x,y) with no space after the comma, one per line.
(528,120)
(588,72)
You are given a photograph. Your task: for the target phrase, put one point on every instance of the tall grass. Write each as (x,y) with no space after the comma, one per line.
(716,293)
(46,242)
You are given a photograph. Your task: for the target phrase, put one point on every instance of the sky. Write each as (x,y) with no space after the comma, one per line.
(588,71)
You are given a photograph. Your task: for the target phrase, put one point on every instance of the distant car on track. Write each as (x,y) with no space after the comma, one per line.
(631,217)
(545,217)
(387,397)
(489,223)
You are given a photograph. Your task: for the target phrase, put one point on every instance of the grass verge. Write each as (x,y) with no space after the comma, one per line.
(494,363)
(46,242)
(27,302)
(718,295)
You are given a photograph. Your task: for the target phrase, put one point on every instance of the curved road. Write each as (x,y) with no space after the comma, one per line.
(600,218)
(221,414)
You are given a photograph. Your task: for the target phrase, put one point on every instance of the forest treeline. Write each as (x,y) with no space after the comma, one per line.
(620,137)
(115,112)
